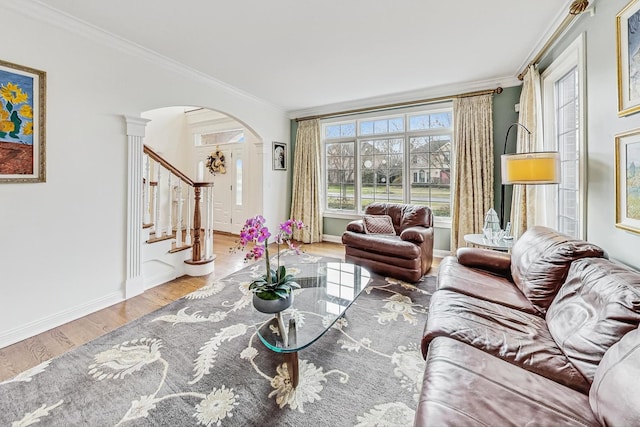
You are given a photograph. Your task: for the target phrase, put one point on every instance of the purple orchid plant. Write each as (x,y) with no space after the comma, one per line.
(276,283)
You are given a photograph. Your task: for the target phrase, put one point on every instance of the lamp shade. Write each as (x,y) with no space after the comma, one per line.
(531,168)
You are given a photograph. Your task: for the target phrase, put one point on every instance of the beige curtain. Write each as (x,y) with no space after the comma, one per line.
(305,201)
(528,201)
(473,160)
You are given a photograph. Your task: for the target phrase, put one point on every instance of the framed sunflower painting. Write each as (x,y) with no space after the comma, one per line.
(22,123)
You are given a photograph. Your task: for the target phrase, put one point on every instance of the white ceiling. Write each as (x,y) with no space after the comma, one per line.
(303,55)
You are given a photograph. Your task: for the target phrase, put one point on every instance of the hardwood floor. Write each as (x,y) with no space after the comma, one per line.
(35,350)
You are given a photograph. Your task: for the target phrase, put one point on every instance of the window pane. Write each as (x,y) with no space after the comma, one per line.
(567,131)
(420,122)
(381,126)
(332,131)
(366,128)
(430,172)
(396,125)
(348,130)
(340,176)
(440,120)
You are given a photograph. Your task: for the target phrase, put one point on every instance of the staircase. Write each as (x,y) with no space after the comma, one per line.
(175,242)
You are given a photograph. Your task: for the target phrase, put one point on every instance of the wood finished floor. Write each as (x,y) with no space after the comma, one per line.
(37,349)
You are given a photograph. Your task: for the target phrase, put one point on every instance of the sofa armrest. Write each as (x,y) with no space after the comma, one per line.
(356,226)
(485,259)
(417,235)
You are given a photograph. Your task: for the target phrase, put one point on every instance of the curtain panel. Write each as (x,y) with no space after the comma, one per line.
(528,201)
(305,201)
(473,160)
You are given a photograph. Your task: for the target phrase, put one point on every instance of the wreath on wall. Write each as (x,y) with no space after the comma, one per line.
(215,162)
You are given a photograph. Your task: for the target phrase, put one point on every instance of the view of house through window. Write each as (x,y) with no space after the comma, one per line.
(399,157)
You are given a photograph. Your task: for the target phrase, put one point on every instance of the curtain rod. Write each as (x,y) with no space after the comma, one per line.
(401,104)
(554,37)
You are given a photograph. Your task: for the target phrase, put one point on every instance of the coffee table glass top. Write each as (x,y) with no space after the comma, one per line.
(327,290)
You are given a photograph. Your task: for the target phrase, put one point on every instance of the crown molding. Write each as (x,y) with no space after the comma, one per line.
(409,96)
(40,11)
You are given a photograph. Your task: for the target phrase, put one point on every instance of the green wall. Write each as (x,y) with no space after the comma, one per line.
(503,115)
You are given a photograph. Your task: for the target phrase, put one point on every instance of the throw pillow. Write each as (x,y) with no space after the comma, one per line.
(378,224)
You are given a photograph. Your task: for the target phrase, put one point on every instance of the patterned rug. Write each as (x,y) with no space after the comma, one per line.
(198,361)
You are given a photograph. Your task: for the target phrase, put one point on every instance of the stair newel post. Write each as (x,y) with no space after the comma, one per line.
(157,194)
(187,240)
(196,254)
(169,205)
(146,175)
(179,214)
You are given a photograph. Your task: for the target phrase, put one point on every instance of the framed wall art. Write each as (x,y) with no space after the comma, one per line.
(628,52)
(628,181)
(22,123)
(279,156)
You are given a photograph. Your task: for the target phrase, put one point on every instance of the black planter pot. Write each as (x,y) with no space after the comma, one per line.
(272,305)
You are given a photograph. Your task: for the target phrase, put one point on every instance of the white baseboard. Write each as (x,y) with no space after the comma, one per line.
(441,253)
(331,239)
(41,325)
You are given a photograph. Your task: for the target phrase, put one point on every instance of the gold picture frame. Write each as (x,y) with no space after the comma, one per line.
(22,123)
(628,180)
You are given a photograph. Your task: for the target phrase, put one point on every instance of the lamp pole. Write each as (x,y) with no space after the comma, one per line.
(504,151)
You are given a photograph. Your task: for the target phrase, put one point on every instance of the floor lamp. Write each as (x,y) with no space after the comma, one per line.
(542,167)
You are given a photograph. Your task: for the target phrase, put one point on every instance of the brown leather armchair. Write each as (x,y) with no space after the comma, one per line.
(406,255)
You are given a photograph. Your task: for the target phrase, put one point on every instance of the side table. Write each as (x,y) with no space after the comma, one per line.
(483,242)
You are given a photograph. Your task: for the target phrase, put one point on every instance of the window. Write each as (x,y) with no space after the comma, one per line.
(220,137)
(563,93)
(399,158)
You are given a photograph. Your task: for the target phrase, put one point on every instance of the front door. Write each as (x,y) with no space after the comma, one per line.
(228,194)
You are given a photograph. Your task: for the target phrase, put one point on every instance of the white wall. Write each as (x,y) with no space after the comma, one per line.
(167,134)
(63,242)
(603,124)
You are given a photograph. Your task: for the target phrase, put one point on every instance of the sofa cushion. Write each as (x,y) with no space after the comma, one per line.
(378,224)
(383,244)
(614,393)
(598,304)
(402,215)
(540,260)
(454,276)
(513,335)
(463,386)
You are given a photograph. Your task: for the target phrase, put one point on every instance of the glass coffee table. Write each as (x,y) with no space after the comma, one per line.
(327,290)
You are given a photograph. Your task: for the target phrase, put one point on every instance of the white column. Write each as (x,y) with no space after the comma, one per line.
(134,284)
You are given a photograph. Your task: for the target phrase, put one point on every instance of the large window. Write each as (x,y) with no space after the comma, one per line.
(404,157)
(563,96)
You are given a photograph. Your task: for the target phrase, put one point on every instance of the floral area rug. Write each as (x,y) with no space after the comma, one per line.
(199,362)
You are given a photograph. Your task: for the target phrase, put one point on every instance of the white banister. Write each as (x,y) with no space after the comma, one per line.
(156,203)
(169,205)
(146,207)
(187,240)
(179,201)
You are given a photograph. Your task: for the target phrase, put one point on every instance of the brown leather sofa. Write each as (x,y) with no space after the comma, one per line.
(546,335)
(406,253)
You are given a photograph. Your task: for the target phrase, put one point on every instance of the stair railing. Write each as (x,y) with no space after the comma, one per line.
(153,191)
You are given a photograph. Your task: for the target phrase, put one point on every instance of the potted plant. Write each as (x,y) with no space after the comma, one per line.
(272,292)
